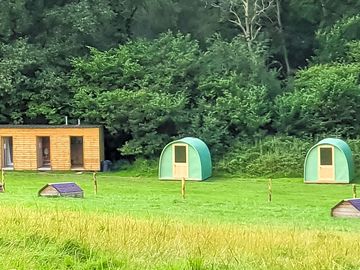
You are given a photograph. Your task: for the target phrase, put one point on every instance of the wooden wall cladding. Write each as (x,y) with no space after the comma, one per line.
(25,156)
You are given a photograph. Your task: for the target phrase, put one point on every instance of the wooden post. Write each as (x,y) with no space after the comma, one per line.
(354,190)
(95,183)
(270,190)
(183,187)
(2,180)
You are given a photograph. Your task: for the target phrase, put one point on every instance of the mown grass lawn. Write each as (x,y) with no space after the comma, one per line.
(224,223)
(219,200)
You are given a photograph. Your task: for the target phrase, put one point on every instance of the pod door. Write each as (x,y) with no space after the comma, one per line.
(180,161)
(326,163)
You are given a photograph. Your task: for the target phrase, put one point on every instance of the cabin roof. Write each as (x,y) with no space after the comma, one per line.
(66,187)
(49,126)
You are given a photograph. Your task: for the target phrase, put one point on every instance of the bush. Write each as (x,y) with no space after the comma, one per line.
(270,157)
(336,42)
(275,157)
(325,100)
(355,148)
(140,167)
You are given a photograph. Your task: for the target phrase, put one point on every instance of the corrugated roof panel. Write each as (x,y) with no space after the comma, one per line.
(66,187)
(355,203)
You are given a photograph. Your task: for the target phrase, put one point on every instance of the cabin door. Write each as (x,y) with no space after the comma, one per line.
(43,152)
(326,163)
(77,152)
(180,161)
(7,155)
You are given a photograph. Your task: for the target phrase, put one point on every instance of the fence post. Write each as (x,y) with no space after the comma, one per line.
(183,187)
(354,190)
(2,180)
(270,190)
(95,183)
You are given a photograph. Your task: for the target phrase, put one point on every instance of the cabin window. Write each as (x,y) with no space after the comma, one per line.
(77,152)
(43,154)
(326,156)
(7,154)
(180,154)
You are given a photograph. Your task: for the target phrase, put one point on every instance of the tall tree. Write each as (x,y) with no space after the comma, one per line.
(247,15)
(302,19)
(186,16)
(140,90)
(335,41)
(280,29)
(48,34)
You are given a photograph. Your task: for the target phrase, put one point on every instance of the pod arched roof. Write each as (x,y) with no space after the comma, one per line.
(200,147)
(341,145)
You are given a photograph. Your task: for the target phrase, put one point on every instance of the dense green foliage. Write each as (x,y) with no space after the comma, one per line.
(336,42)
(177,90)
(271,157)
(229,72)
(324,100)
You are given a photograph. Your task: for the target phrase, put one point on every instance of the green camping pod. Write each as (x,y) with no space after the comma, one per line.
(187,158)
(329,161)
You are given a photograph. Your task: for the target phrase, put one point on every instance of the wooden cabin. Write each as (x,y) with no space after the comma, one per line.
(69,189)
(51,147)
(347,208)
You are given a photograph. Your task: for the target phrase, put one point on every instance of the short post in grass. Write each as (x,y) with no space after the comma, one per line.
(354,190)
(270,190)
(183,187)
(95,183)
(2,188)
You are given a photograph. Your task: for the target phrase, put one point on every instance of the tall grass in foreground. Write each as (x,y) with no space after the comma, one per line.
(43,239)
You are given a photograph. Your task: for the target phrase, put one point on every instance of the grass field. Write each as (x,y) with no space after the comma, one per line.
(143,223)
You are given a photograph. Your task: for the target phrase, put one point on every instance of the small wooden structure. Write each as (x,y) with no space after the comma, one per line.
(66,189)
(347,208)
(329,161)
(187,158)
(51,147)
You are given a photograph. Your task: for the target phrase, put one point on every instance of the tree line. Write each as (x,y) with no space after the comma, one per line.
(226,71)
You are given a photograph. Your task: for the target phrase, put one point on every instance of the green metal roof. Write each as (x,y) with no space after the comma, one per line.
(343,147)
